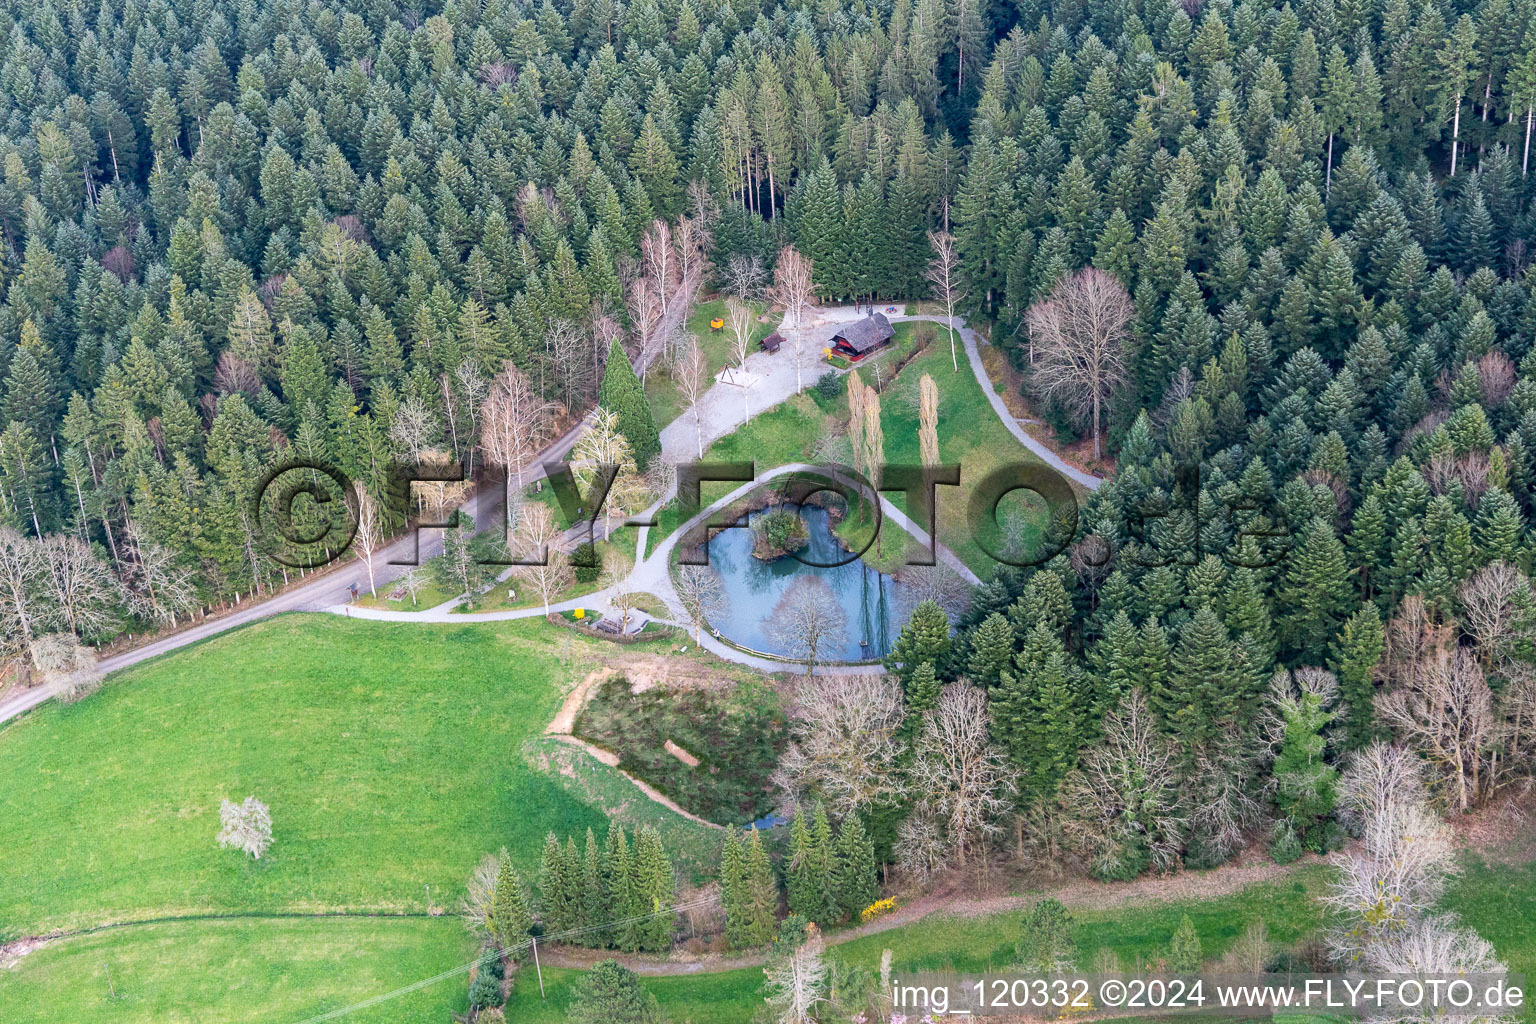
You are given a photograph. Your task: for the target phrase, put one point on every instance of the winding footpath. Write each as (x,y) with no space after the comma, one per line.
(693,431)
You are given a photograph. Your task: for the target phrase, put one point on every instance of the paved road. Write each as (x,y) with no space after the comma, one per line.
(721,413)
(973,354)
(327,591)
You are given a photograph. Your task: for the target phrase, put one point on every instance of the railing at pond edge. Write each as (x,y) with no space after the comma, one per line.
(783,659)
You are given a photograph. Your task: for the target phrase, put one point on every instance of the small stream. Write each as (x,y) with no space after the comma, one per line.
(873,603)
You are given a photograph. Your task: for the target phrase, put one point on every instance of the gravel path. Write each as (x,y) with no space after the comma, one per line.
(1082,893)
(721,413)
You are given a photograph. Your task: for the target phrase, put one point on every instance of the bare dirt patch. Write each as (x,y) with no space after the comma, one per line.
(565,718)
(681,754)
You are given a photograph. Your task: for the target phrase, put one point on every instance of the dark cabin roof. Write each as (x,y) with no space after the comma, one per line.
(865,334)
(773,341)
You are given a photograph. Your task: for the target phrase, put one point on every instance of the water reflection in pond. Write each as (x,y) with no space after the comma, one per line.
(874,605)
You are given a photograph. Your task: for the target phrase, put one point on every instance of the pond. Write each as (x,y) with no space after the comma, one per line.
(874,605)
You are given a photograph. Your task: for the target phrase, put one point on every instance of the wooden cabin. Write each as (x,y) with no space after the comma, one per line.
(772,342)
(862,337)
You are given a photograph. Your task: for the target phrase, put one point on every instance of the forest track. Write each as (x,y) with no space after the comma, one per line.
(1080,893)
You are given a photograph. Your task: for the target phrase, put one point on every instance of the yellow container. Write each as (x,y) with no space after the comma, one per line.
(579,613)
(716,324)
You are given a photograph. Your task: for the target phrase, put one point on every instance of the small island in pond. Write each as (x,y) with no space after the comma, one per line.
(778,532)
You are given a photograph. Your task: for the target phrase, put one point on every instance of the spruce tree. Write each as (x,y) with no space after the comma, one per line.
(856,882)
(557,898)
(624,902)
(1314,592)
(510,916)
(1184,955)
(624,396)
(1197,701)
(922,696)
(761,902)
(654,891)
(611,993)
(991,650)
(805,877)
(734,897)
(925,638)
(595,904)
(825,848)
(1356,652)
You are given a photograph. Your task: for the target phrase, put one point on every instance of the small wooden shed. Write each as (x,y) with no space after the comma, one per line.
(772,342)
(862,337)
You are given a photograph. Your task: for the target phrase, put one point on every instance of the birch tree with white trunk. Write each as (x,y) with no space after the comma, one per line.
(516,422)
(693,382)
(793,287)
(538,540)
(370,532)
(739,316)
(943,274)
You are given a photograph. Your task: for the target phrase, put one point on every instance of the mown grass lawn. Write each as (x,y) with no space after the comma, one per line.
(970,435)
(243,971)
(1499,900)
(391,757)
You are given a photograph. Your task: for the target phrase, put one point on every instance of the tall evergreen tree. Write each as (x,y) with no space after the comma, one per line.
(624,396)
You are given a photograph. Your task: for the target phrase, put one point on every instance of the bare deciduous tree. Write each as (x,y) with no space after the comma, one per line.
(1446,713)
(744,276)
(22,574)
(962,780)
(437,498)
(702,592)
(796,982)
(844,751)
(622,596)
(646,311)
(67,667)
(807,619)
(602,445)
(928,420)
(1078,336)
(943,274)
(1490,612)
(739,316)
(515,423)
(413,581)
(537,540)
(1124,797)
(1398,871)
(922,845)
(568,347)
(793,286)
(370,531)
(480,893)
(84,591)
(1376,777)
(247,826)
(693,381)
(411,429)
(1436,945)
(158,589)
